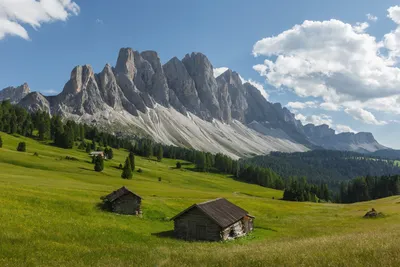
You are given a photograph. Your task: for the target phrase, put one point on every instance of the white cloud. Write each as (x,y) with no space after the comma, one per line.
(302,105)
(99,21)
(336,62)
(340,128)
(48,92)
(219,71)
(364,116)
(360,27)
(15,13)
(371,17)
(329,106)
(315,119)
(259,86)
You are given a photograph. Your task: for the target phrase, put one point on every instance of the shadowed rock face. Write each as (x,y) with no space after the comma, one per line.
(140,85)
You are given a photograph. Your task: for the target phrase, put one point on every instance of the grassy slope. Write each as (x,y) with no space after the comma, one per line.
(48,217)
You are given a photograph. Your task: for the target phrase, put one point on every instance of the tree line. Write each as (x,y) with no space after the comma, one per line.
(368,188)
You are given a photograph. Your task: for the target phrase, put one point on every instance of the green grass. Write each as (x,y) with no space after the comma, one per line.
(48,217)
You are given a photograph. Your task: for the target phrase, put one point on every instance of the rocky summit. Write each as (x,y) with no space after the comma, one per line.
(181,103)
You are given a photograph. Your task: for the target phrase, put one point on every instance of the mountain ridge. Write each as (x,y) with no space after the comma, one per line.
(139,90)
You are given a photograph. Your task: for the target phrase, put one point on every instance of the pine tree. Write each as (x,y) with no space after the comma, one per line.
(21,147)
(99,163)
(160,153)
(132,161)
(178,165)
(127,171)
(1,142)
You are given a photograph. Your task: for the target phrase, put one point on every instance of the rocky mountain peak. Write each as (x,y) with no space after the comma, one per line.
(14,94)
(126,63)
(80,77)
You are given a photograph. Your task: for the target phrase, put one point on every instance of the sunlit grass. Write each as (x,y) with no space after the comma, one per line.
(48,217)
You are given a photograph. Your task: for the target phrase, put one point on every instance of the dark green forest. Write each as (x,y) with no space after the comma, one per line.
(325,165)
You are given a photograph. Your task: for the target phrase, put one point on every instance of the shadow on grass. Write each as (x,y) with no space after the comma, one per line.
(165,234)
(86,169)
(266,228)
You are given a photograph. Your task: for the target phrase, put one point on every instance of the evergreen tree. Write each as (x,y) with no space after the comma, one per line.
(178,165)
(21,147)
(88,148)
(98,163)
(160,153)
(127,171)
(132,161)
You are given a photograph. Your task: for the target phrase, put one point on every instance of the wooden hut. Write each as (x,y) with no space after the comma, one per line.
(213,220)
(123,201)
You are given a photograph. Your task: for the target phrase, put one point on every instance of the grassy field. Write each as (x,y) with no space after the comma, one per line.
(49,217)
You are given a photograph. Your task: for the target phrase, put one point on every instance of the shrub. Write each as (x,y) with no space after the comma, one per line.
(21,147)
(36,154)
(88,149)
(159,179)
(98,163)
(178,165)
(139,170)
(127,172)
(120,166)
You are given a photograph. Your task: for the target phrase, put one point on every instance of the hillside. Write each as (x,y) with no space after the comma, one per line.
(49,217)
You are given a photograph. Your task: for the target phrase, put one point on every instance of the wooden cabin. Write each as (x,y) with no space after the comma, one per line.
(123,201)
(98,153)
(214,220)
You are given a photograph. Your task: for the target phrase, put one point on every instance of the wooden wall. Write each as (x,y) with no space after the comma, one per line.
(195,225)
(127,204)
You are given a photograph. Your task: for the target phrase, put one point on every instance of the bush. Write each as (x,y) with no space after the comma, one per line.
(88,149)
(127,172)
(120,166)
(159,179)
(139,170)
(21,147)
(99,163)
(178,165)
(36,154)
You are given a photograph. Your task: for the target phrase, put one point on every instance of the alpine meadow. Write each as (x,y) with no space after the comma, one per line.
(205,133)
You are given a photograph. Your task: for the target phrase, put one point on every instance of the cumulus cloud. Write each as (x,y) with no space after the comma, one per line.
(302,105)
(219,71)
(360,27)
(15,14)
(337,62)
(340,128)
(315,119)
(329,106)
(364,116)
(99,21)
(371,17)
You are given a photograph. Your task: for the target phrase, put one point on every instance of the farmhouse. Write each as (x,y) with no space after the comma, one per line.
(97,153)
(213,220)
(123,201)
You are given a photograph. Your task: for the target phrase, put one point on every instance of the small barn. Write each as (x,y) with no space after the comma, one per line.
(98,153)
(213,220)
(123,201)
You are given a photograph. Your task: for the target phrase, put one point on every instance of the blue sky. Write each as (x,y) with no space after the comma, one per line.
(92,32)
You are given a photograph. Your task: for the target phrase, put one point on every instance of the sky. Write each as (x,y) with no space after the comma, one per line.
(329,62)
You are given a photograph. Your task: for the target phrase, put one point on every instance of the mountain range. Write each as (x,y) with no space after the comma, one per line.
(181,103)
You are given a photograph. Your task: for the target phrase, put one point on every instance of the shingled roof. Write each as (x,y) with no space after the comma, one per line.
(220,210)
(119,193)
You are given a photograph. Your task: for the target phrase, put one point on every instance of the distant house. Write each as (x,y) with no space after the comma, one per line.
(123,201)
(97,153)
(213,220)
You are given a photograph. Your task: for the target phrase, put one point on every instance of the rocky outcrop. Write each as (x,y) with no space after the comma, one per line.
(200,69)
(14,94)
(34,102)
(223,114)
